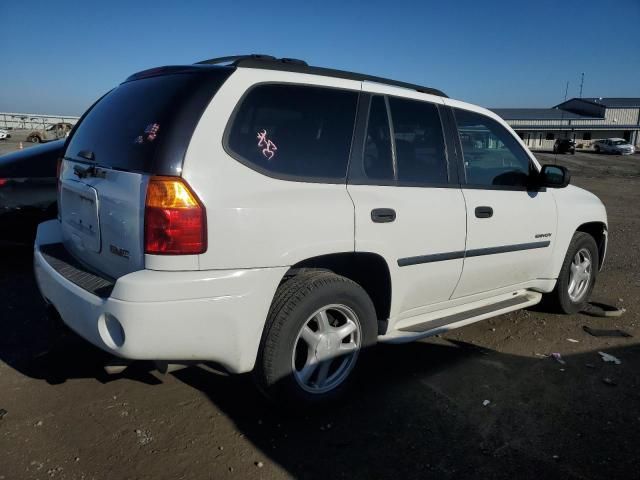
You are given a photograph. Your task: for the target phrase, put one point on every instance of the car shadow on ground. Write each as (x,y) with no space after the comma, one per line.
(37,347)
(432,409)
(452,410)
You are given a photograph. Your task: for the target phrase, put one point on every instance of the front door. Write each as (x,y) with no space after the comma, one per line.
(510,227)
(408,205)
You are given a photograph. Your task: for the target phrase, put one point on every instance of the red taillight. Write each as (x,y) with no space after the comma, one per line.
(174,219)
(3,181)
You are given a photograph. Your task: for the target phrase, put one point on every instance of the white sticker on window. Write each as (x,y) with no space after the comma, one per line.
(268,147)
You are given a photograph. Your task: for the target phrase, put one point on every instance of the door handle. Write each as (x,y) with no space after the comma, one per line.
(484,212)
(383,215)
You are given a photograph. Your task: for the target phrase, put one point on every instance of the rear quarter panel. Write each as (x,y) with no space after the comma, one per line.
(254,220)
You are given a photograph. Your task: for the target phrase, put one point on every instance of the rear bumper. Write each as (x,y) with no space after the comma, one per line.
(155,315)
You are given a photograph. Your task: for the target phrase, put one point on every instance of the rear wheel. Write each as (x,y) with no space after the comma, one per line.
(597,149)
(317,328)
(577,275)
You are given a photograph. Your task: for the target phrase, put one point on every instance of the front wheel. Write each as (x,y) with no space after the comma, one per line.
(577,275)
(318,326)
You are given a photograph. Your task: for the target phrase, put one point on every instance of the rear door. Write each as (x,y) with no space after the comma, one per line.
(408,204)
(511,226)
(139,129)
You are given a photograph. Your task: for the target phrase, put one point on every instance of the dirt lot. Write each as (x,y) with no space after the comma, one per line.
(418,411)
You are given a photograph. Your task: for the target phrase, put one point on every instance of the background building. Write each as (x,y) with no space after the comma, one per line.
(582,119)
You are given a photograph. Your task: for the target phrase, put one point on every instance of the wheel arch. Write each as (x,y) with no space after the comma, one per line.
(598,230)
(369,270)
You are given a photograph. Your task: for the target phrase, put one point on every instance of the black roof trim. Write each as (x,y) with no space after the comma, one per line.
(269,62)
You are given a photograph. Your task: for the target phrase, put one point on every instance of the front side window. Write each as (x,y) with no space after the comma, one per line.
(492,156)
(295,132)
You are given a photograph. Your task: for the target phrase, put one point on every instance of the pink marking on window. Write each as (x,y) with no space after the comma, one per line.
(270,148)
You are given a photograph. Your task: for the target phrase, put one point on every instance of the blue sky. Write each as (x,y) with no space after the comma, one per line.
(497,53)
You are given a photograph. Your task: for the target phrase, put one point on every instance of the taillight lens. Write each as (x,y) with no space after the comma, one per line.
(174,219)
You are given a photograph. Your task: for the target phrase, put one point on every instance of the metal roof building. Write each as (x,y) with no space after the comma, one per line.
(583,119)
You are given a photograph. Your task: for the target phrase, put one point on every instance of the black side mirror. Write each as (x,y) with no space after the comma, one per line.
(554,176)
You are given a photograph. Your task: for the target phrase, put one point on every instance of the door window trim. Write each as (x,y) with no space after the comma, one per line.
(356,174)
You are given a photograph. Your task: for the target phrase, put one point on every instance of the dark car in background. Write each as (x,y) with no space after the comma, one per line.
(28,191)
(564,145)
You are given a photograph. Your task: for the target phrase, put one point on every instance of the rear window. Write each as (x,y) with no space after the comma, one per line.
(295,132)
(146,125)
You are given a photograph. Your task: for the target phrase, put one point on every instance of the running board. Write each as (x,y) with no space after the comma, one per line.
(436,326)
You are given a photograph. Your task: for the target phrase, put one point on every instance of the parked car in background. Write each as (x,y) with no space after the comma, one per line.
(274,217)
(613,145)
(4,134)
(51,132)
(564,145)
(27,191)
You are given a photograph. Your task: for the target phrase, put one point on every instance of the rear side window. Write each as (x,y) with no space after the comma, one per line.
(146,124)
(492,156)
(419,142)
(413,155)
(378,159)
(295,132)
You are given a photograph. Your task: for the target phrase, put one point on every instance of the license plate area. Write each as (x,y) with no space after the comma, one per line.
(79,214)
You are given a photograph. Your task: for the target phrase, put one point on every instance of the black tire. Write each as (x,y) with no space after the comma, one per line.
(34,139)
(558,300)
(294,303)
(597,149)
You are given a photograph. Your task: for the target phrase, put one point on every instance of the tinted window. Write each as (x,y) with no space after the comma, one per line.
(146,124)
(492,156)
(295,131)
(378,161)
(419,143)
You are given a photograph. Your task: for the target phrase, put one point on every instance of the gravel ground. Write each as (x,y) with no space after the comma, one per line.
(479,402)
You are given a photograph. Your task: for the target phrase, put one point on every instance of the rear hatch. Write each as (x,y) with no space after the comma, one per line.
(139,129)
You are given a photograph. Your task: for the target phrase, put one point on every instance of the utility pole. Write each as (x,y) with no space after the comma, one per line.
(581,83)
(566,90)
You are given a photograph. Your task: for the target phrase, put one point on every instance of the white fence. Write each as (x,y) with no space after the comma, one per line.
(32,121)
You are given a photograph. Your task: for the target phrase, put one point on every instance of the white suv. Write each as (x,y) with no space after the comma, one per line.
(278,218)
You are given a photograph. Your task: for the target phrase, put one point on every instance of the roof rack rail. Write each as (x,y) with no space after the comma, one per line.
(300,66)
(234,59)
(237,60)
